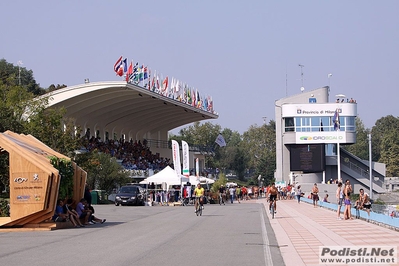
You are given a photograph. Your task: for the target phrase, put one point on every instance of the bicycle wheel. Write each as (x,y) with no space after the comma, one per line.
(198,209)
(272,210)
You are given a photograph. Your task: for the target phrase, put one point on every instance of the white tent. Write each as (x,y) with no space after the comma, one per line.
(202,180)
(168,176)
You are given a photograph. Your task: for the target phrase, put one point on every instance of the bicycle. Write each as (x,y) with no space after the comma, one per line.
(272,207)
(198,208)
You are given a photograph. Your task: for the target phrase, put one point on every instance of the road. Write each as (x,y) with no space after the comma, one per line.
(234,234)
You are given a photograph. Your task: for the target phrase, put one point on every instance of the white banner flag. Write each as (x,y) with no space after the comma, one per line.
(186,158)
(176,157)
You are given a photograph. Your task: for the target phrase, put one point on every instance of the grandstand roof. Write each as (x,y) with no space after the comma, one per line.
(119,107)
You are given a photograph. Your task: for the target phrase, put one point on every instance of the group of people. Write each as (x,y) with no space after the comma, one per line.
(81,215)
(135,155)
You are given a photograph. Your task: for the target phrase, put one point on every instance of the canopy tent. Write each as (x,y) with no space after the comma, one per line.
(202,180)
(168,176)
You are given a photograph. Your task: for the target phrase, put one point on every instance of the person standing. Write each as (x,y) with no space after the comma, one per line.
(340,198)
(315,195)
(347,200)
(222,194)
(232,191)
(238,193)
(298,192)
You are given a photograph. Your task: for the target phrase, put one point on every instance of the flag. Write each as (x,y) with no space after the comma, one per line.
(220,141)
(118,66)
(336,119)
(186,158)
(145,73)
(125,65)
(129,71)
(165,86)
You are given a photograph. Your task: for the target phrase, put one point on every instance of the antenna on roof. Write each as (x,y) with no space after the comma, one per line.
(302,66)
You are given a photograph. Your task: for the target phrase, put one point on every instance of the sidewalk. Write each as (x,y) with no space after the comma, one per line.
(300,229)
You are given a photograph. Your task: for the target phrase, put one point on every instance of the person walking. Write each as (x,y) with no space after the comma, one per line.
(340,199)
(315,195)
(232,191)
(298,192)
(347,200)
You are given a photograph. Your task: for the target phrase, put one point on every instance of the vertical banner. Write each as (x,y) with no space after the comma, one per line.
(197,168)
(186,158)
(176,157)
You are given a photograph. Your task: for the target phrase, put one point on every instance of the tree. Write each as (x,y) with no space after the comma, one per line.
(360,148)
(19,76)
(382,126)
(260,144)
(103,171)
(389,146)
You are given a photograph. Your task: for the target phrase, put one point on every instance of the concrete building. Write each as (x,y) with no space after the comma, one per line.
(310,133)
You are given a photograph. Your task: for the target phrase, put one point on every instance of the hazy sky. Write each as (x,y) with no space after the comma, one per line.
(245,54)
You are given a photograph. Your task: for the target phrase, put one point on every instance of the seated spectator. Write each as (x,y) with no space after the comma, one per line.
(59,215)
(83,212)
(72,214)
(363,203)
(93,218)
(326,198)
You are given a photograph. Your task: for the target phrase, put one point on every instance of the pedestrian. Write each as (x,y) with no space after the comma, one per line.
(298,192)
(232,191)
(315,195)
(340,198)
(347,200)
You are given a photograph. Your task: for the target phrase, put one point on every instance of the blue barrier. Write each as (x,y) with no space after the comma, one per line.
(374,217)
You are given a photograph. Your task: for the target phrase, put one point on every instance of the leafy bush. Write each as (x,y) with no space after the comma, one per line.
(66,172)
(4,208)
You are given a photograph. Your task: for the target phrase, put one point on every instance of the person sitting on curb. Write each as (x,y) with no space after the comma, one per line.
(59,215)
(72,214)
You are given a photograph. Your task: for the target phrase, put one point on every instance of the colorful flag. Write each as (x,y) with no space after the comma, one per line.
(125,65)
(129,71)
(145,73)
(220,141)
(118,66)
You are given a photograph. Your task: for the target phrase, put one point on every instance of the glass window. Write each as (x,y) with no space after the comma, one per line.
(289,124)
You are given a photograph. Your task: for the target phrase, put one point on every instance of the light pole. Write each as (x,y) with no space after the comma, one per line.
(370,167)
(329,76)
(19,72)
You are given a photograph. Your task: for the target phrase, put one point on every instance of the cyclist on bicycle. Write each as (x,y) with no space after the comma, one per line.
(222,194)
(273,197)
(199,192)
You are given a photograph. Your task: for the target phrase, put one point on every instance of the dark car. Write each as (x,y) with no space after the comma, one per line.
(130,195)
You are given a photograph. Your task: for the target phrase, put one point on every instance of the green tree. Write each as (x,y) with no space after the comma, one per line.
(390,152)
(19,76)
(103,171)
(259,143)
(360,148)
(382,127)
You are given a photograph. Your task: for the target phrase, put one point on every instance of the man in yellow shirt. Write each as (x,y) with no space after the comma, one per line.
(198,193)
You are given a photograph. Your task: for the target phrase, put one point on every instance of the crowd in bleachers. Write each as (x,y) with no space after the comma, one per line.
(134,155)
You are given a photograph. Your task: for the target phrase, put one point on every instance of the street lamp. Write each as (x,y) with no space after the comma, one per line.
(370,167)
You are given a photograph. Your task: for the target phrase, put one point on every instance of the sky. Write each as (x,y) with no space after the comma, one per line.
(245,54)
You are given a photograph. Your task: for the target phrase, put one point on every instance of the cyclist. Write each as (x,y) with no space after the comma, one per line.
(199,192)
(273,197)
(222,194)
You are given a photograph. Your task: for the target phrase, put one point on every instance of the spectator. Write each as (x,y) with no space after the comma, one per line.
(59,215)
(340,199)
(72,214)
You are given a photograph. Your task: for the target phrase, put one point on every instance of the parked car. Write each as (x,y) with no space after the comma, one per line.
(130,195)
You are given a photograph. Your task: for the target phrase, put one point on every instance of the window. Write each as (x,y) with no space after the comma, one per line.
(289,124)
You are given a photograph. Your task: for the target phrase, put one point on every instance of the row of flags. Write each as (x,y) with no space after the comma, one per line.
(174,89)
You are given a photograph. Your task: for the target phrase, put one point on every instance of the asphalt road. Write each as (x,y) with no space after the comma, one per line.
(234,234)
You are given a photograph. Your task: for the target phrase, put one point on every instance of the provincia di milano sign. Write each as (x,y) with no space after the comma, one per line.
(328,109)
